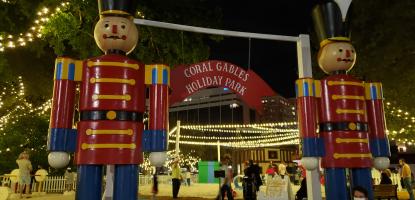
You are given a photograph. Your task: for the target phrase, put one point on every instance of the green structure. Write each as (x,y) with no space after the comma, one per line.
(206,169)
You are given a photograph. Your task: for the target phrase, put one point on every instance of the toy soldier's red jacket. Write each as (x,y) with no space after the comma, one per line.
(341,119)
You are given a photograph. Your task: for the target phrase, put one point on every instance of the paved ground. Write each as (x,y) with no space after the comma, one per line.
(194,192)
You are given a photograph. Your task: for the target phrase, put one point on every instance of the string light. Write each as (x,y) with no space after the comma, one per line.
(215,138)
(188,159)
(35,31)
(210,126)
(22,108)
(406,120)
(240,144)
(22,39)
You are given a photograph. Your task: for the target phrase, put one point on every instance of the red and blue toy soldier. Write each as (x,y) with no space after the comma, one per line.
(341,118)
(111,105)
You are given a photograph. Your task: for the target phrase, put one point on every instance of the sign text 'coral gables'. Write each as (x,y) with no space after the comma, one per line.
(186,80)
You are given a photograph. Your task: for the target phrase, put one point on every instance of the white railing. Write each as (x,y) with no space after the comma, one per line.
(57,184)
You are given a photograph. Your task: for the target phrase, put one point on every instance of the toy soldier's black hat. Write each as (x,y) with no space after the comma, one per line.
(329,24)
(125,8)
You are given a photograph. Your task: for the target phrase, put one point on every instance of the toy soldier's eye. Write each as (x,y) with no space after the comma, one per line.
(123,26)
(352,51)
(340,50)
(106,25)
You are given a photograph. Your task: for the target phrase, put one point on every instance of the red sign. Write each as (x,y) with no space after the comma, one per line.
(186,80)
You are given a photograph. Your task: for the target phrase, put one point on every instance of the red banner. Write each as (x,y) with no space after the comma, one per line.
(186,80)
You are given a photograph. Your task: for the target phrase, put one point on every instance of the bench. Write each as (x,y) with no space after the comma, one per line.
(385,191)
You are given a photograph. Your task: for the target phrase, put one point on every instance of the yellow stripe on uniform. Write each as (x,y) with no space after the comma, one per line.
(109,132)
(159,77)
(350,111)
(373,91)
(330,83)
(352,140)
(305,87)
(317,86)
(112,80)
(113,64)
(335,97)
(78,70)
(352,155)
(108,146)
(112,97)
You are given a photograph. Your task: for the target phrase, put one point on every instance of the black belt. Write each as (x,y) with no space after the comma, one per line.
(116,115)
(343,126)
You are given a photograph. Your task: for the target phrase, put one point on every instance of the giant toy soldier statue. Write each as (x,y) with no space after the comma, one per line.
(341,118)
(111,107)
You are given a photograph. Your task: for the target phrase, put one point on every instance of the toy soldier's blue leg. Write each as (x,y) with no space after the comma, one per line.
(125,182)
(363,177)
(335,181)
(89,182)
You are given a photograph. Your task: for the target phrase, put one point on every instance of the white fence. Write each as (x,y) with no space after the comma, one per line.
(57,184)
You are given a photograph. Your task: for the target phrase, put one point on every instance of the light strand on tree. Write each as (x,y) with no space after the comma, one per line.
(35,31)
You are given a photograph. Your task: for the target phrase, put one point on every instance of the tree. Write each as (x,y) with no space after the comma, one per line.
(382,33)
(70,32)
(383,37)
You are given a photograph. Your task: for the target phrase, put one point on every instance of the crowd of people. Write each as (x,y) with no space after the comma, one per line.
(252,179)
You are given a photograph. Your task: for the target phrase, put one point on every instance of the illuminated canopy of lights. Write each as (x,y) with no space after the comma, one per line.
(239,135)
(35,31)
(244,144)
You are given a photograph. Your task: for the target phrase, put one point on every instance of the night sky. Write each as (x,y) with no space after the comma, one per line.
(274,61)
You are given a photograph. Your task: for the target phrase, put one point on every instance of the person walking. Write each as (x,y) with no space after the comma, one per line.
(188,175)
(25,166)
(406,177)
(226,189)
(176,177)
(69,177)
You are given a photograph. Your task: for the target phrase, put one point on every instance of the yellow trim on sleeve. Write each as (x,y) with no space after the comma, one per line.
(78,70)
(149,74)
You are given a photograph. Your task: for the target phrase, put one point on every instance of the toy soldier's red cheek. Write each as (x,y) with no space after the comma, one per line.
(339,59)
(124,37)
(104,36)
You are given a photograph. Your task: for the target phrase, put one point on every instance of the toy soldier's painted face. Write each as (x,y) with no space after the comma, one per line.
(336,56)
(116,33)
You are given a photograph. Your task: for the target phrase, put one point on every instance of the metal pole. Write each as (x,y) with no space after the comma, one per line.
(109,185)
(212,31)
(218,151)
(305,70)
(177,138)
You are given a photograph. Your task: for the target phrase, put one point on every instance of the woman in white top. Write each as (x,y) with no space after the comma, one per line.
(25,166)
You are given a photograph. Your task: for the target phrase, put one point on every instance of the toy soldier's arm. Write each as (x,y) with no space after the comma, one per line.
(308,93)
(379,144)
(62,136)
(156,137)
